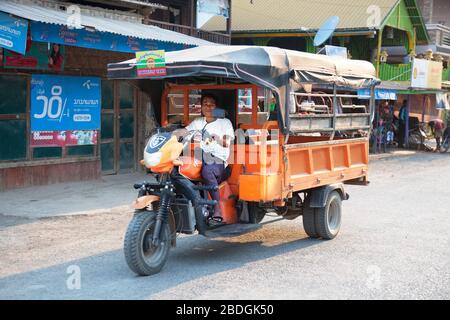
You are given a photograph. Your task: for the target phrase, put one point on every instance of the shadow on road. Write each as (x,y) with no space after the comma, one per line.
(106,276)
(11,221)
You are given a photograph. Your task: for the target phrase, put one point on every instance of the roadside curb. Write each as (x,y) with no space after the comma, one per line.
(395,154)
(113,210)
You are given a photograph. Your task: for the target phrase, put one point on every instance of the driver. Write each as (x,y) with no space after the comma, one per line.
(216,136)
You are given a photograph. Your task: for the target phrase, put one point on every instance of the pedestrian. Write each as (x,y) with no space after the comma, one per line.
(387,120)
(402,118)
(437,128)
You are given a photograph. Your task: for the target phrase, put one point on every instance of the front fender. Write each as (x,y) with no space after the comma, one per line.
(144,201)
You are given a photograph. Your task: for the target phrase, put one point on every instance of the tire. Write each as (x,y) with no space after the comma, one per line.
(328,218)
(255,213)
(140,257)
(309,221)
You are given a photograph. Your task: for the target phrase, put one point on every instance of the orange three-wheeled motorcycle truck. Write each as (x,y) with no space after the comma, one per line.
(300,135)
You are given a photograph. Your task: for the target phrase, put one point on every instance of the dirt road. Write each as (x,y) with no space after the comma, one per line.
(394,244)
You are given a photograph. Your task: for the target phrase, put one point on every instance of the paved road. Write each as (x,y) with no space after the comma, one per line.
(394,244)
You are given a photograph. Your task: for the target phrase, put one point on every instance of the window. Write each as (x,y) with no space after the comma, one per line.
(47,152)
(174,15)
(245,105)
(195,106)
(13,118)
(176,106)
(16,143)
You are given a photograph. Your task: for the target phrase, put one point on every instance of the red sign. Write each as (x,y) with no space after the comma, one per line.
(63,138)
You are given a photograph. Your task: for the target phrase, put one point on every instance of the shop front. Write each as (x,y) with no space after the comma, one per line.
(61,119)
(384,127)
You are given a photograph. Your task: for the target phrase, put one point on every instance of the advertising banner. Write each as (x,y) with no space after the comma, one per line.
(13,33)
(206,9)
(40,56)
(214,7)
(442,101)
(46,32)
(63,138)
(426,74)
(380,94)
(60,103)
(151,63)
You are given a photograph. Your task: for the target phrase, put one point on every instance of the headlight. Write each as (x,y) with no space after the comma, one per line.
(152,159)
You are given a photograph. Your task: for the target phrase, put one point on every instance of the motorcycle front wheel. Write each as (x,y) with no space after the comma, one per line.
(141,255)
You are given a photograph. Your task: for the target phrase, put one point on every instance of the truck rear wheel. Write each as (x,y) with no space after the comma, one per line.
(328,218)
(309,221)
(256,213)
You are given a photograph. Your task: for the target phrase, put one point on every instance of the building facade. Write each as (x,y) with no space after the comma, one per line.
(389,33)
(64,54)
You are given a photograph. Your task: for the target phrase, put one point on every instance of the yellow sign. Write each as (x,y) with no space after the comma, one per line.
(151,63)
(426,74)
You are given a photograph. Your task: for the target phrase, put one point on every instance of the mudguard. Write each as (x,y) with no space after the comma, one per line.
(144,201)
(318,196)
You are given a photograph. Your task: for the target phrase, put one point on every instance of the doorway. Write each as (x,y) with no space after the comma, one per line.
(118,127)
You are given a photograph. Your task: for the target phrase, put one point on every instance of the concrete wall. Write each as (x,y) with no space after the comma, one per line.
(435,11)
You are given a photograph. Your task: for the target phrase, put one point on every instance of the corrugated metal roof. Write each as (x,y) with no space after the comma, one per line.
(47,15)
(146,3)
(271,15)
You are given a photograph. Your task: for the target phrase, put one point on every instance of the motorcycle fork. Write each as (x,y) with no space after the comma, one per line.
(163,212)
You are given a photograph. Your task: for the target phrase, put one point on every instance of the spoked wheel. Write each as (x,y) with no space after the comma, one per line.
(142,256)
(324,222)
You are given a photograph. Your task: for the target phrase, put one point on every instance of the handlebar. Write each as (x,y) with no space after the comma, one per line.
(189,137)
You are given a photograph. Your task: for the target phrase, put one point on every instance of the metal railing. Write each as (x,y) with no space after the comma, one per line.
(402,72)
(216,37)
(395,72)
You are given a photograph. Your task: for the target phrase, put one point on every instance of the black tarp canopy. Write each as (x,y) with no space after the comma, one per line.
(268,67)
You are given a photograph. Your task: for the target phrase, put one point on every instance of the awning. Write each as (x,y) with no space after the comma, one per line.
(413,91)
(50,25)
(268,67)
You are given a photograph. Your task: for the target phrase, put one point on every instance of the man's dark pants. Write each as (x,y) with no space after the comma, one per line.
(213,174)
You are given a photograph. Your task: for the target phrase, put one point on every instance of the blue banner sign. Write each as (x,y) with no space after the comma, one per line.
(13,33)
(380,94)
(46,32)
(65,103)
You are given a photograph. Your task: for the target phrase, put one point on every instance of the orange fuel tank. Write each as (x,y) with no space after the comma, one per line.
(227,203)
(190,168)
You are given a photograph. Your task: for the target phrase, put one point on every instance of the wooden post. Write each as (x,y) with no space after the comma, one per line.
(334,110)
(229,22)
(408,108)
(380,39)
(193,23)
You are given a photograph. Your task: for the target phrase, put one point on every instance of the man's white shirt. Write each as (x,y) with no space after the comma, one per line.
(219,127)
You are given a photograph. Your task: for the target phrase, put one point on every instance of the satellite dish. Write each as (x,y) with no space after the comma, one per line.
(326,30)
